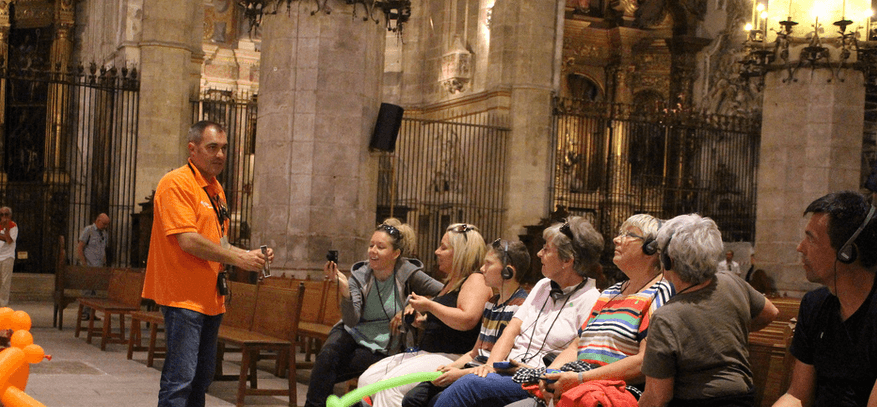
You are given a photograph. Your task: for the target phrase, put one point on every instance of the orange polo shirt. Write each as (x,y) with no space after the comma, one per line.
(173,277)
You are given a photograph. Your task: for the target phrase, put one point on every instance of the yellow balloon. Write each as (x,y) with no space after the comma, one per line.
(20,320)
(21,338)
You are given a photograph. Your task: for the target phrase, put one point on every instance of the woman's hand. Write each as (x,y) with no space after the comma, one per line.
(420,303)
(483,370)
(563,382)
(331,272)
(396,323)
(450,376)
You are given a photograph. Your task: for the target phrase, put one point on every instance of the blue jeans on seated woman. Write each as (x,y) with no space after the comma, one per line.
(191,357)
(473,390)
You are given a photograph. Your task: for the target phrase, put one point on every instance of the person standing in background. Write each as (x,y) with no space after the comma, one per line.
(92,251)
(8,236)
(728,265)
(92,248)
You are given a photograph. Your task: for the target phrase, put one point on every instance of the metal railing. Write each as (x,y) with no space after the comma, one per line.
(444,172)
(613,161)
(237,113)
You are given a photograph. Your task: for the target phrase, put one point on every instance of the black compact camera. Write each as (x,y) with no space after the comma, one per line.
(222,283)
(332,256)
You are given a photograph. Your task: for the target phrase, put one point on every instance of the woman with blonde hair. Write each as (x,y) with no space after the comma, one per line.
(372,300)
(449,322)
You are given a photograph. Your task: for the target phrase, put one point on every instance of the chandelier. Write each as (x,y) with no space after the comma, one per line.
(396,12)
(780,48)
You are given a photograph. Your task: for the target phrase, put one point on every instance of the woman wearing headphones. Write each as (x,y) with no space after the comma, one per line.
(547,321)
(697,352)
(372,300)
(449,321)
(506,266)
(612,343)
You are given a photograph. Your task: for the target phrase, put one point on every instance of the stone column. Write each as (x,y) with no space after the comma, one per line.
(808,149)
(524,58)
(315,179)
(170,70)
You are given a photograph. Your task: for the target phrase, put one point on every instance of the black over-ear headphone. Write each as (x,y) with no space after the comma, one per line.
(650,245)
(849,251)
(508,272)
(666,261)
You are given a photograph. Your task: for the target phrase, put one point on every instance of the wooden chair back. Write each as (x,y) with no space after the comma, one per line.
(331,308)
(788,308)
(312,304)
(131,288)
(239,311)
(279,281)
(278,311)
(86,278)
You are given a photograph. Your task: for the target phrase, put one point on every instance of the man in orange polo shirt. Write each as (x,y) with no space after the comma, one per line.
(188,248)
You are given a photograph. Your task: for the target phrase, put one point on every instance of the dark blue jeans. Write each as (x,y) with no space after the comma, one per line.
(191,357)
(340,359)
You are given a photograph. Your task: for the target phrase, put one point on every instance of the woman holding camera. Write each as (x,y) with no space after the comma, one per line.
(449,322)
(372,300)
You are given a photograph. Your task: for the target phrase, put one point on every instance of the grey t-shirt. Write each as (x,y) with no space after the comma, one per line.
(95,249)
(699,338)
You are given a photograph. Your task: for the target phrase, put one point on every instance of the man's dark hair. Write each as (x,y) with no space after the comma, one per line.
(846,211)
(196,132)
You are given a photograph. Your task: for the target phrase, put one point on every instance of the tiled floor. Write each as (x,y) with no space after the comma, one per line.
(81,375)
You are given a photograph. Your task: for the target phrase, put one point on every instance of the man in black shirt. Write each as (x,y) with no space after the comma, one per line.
(835,343)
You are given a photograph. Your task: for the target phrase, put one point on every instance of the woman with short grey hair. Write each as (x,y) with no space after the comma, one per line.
(696,353)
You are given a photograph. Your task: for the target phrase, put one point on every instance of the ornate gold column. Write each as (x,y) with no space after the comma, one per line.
(62,48)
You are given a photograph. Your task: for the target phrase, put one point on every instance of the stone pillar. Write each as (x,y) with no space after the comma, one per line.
(807,150)
(315,179)
(170,70)
(524,58)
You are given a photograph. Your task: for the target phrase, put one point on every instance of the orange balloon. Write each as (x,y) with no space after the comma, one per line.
(20,320)
(10,360)
(33,353)
(5,317)
(21,338)
(14,397)
(19,378)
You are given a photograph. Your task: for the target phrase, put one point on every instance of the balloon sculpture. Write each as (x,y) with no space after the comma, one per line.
(356,395)
(18,352)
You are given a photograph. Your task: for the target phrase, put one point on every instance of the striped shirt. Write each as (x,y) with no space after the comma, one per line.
(494,320)
(618,324)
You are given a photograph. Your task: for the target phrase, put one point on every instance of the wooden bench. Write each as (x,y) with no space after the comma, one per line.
(123,298)
(155,319)
(72,281)
(273,327)
(317,331)
(770,360)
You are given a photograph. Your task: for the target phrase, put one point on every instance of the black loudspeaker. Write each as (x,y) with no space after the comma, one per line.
(387,127)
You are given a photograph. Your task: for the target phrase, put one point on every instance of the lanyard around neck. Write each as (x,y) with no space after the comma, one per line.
(216,205)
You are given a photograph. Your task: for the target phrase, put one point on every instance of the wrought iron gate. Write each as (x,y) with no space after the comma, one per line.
(69,153)
(237,113)
(442,173)
(613,161)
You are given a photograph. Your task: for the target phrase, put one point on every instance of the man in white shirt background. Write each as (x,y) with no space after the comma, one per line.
(729,265)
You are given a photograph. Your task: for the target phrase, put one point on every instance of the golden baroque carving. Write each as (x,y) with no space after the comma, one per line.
(4,8)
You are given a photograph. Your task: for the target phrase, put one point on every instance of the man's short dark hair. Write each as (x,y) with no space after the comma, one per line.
(846,211)
(196,132)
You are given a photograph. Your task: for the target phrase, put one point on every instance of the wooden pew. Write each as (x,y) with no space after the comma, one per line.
(72,281)
(123,298)
(135,342)
(273,327)
(770,360)
(329,315)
